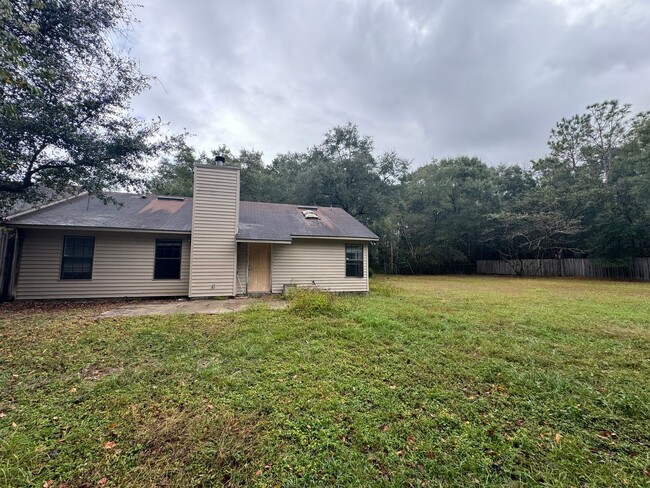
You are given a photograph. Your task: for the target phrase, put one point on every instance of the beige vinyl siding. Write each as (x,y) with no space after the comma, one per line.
(123,266)
(315,261)
(242,268)
(214,226)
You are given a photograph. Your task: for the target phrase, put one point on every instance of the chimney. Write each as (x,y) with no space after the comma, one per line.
(215,219)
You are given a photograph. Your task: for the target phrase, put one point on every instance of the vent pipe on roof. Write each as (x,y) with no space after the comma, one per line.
(219,160)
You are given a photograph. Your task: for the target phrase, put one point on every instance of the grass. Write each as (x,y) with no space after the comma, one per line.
(429,381)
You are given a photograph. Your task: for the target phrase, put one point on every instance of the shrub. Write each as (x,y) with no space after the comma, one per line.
(310,302)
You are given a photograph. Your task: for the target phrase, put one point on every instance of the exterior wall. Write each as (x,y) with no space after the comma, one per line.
(315,261)
(123,266)
(215,215)
(5,263)
(242,268)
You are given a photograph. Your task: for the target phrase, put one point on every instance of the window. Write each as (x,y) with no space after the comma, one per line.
(77,259)
(168,259)
(354,260)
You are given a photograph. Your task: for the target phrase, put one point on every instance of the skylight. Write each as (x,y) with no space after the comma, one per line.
(310,214)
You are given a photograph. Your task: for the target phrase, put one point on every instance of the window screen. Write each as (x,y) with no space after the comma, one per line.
(354,260)
(77,259)
(168,259)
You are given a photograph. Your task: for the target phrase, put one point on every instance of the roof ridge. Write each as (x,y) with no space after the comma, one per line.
(295,205)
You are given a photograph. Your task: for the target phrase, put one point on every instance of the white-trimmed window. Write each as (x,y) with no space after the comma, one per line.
(354,260)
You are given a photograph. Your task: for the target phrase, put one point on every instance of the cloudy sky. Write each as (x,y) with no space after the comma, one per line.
(427,78)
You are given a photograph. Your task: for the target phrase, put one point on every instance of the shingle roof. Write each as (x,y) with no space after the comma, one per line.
(131,212)
(257,221)
(279,222)
(47,197)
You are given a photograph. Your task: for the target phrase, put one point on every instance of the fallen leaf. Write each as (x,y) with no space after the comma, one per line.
(411,440)
(48,483)
(258,472)
(558,438)
(73,390)
(399,453)
(111,426)
(393,387)
(14,424)
(606,434)
(646,472)
(2,415)
(385,428)
(103,481)
(109,445)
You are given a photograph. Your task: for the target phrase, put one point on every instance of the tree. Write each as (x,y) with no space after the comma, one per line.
(446,205)
(595,173)
(288,172)
(175,175)
(342,171)
(621,228)
(65,121)
(520,236)
(257,183)
(591,140)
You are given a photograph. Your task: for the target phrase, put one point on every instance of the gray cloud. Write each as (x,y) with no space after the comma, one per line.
(426,78)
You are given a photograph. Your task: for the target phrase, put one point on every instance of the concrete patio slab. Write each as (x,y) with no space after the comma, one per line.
(193,306)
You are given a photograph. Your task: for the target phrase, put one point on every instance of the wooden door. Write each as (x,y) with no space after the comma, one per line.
(259,268)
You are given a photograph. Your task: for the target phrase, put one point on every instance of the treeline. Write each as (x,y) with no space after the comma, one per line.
(589,197)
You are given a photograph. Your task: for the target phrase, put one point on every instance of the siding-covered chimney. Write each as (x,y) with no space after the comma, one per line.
(215,216)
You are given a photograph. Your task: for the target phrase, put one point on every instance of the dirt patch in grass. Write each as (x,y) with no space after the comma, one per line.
(95,372)
(188,445)
(26,307)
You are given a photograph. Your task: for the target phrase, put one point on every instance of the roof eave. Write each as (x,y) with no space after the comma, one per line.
(345,238)
(88,228)
(263,241)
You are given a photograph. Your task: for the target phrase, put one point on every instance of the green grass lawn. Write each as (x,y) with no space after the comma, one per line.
(429,381)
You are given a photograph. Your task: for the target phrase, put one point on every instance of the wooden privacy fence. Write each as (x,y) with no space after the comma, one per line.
(588,268)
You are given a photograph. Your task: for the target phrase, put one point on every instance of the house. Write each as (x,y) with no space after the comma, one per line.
(210,245)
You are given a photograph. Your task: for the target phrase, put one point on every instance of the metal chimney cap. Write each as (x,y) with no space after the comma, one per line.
(219,160)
